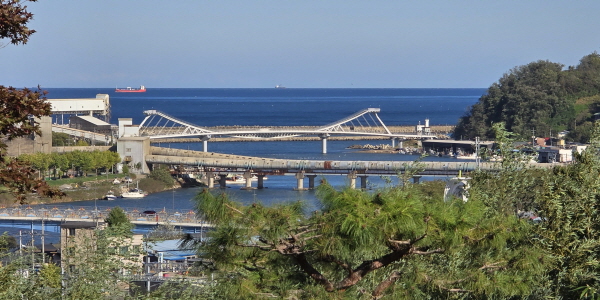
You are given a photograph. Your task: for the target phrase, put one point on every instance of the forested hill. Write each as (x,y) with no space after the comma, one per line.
(541,99)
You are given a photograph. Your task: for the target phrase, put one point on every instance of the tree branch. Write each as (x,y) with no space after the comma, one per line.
(264,248)
(384,285)
(233,208)
(307,267)
(419,252)
(340,263)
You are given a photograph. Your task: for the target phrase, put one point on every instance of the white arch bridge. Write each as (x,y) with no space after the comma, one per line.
(158,125)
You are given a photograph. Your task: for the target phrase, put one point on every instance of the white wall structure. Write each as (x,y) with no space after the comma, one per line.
(99,106)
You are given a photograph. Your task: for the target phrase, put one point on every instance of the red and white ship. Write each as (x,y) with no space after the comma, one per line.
(131,90)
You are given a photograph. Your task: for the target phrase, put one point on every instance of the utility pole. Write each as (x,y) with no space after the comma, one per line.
(477,159)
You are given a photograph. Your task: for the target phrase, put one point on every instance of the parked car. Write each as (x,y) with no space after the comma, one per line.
(128,179)
(149,212)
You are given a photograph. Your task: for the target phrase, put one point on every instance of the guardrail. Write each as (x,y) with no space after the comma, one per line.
(135,215)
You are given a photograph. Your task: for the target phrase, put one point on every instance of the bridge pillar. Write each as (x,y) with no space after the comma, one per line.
(416,178)
(248,177)
(363,182)
(223,181)
(261,179)
(393,142)
(324,142)
(205,142)
(311,181)
(400,143)
(300,181)
(352,176)
(210,178)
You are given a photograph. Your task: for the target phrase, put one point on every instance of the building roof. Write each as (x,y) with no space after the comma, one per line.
(80,224)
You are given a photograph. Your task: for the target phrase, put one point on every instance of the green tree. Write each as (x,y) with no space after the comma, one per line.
(61,139)
(163,175)
(118,222)
(396,241)
(19,109)
(529,97)
(539,98)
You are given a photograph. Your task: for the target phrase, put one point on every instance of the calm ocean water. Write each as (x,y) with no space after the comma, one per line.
(277,107)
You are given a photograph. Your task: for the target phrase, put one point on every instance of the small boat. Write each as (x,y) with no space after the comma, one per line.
(110,196)
(131,90)
(134,193)
(279,87)
(233,179)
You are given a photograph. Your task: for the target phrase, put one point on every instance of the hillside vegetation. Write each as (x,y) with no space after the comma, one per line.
(541,99)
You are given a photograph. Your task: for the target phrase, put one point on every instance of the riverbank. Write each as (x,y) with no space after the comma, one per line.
(93,188)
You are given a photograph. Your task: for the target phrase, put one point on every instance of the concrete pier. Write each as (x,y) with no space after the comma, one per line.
(210,179)
(223,181)
(363,182)
(261,180)
(205,143)
(311,181)
(416,178)
(324,137)
(300,181)
(248,183)
(352,176)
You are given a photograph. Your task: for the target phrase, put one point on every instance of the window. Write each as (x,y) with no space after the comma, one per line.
(71,231)
(127,149)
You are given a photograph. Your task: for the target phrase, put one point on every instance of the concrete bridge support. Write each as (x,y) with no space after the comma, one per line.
(352,176)
(311,181)
(300,181)
(248,177)
(223,181)
(205,143)
(363,182)
(400,143)
(393,142)
(324,142)
(261,180)
(416,178)
(210,179)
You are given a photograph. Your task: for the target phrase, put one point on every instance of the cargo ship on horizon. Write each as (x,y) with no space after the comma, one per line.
(131,90)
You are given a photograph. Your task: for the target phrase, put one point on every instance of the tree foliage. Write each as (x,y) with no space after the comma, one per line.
(80,161)
(118,223)
(162,174)
(395,241)
(540,98)
(13,22)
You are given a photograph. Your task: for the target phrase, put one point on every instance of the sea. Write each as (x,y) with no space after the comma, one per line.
(276,107)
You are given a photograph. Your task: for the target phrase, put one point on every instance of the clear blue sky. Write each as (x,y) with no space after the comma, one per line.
(304,44)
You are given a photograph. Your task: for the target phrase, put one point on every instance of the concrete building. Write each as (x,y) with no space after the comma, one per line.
(99,106)
(78,241)
(89,123)
(33,143)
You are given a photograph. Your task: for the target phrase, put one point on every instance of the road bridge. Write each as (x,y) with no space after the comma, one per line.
(159,125)
(216,165)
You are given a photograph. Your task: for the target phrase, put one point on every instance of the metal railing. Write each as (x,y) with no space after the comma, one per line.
(63,212)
